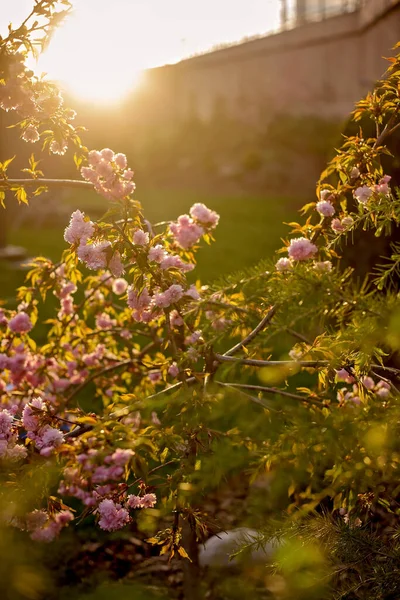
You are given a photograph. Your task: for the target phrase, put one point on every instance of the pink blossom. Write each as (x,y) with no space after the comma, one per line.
(36,519)
(112,516)
(125,334)
(66,289)
(94,157)
(140,238)
(89,174)
(31,134)
(45,529)
(121,456)
(15,452)
(193,292)
(325,195)
(325,208)
(104,169)
(134,501)
(138,301)
(344,375)
(155,376)
(59,147)
(6,421)
(173,370)
(204,215)
(94,255)
(174,261)
(382,389)
(47,439)
(21,323)
(104,321)
(368,383)
(193,338)
(4,362)
(120,160)
(115,265)
(173,294)
(192,354)
(363,194)
(347,222)
(186,232)
(67,307)
(119,286)
(323,266)
(284,264)
(157,253)
(31,414)
(3,318)
(383,185)
(301,249)
(146,501)
(140,304)
(127,174)
(149,500)
(337,226)
(107,154)
(79,230)
(175,319)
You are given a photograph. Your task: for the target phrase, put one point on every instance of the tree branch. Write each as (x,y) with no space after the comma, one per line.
(271,390)
(263,323)
(240,391)
(265,363)
(8,183)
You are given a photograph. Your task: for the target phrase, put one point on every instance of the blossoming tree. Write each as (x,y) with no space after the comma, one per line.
(143,377)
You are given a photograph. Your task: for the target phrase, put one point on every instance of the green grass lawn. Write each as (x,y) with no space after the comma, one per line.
(250,229)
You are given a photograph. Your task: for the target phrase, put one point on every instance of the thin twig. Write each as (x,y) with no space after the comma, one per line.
(123,412)
(263,323)
(166,464)
(266,363)
(99,374)
(380,377)
(299,336)
(390,369)
(252,398)
(271,390)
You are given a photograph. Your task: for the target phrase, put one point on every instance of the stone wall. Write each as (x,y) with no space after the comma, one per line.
(317,69)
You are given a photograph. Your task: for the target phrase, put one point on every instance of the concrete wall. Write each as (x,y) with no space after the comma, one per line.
(318,68)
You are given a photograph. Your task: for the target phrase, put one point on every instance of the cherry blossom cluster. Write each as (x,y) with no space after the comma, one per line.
(95,476)
(9,449)
(44,526)
(302,249)
(45,437)
(114,515)
(188,230)
(345,395)
(109,174)
(363,193)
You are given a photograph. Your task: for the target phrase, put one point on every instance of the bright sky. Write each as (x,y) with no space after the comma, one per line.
(99,53)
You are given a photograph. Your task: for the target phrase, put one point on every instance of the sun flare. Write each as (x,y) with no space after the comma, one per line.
(91,56)
(101,51)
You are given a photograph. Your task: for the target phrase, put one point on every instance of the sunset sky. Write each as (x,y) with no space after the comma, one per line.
(100,51)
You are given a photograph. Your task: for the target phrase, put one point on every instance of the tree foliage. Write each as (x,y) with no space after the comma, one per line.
(143,395)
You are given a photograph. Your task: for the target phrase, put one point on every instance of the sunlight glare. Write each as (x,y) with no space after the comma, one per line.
(92,57)
(100,53)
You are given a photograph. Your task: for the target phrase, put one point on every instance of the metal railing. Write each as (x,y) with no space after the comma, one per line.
(296,13)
